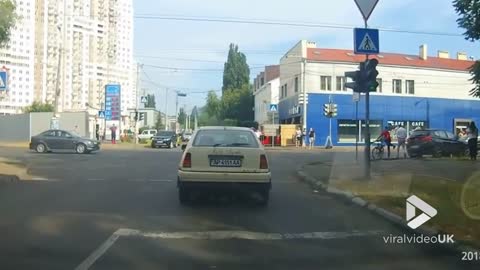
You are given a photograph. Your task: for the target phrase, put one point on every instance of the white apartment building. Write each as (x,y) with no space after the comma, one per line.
(266,92)
(93,42)
(18,58)
(414,90)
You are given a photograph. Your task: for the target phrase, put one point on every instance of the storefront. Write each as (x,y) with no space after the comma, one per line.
(385,111)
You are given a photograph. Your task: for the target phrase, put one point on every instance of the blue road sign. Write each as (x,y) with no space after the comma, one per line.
(273,107)
(101,114)
(3,80)
(366,41)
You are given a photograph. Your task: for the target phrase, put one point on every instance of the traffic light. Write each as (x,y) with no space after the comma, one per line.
(370,75)
(302,98)
(357,82)
(327,109)
(333,110)
(141,116)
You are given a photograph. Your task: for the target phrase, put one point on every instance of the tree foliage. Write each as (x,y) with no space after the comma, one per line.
(469,19)
(182,116)
(236,72)
(151,101)
(7,20)
(39,107)
(213,104)
(160,123)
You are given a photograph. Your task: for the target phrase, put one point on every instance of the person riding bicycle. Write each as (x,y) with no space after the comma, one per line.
(386,139)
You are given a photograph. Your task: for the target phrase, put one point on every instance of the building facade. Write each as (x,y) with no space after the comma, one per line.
(414,90)
(83,45)
(265,91)
(17,57)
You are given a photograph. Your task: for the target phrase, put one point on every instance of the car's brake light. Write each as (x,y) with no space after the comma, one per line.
(187,161)
(263,162)
(426,138)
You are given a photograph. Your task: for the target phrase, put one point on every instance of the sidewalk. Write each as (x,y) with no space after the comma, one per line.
(451,186)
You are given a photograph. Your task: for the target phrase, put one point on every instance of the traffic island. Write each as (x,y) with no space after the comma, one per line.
(456,200)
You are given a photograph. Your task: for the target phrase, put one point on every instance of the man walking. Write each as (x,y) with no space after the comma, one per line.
(113,130)
(402,141)
(311,138)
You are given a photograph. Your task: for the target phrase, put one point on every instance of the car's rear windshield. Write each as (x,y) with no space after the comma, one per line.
(225,138)
(420,133)
(165,133)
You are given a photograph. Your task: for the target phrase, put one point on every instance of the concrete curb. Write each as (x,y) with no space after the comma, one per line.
(391,217)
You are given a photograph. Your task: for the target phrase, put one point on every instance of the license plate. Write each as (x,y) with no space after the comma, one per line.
(225,163)
(159,141)
(415,146)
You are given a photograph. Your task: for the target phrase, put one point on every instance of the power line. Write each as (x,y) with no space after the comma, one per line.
(192,69)
(190,60)
(284,23)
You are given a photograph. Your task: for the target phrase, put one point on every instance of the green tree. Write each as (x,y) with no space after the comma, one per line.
(160,124)
(236,72)
(238,104)
(181,117)
(38,107)
(150,102)
(469,19)
(7,20)
(213,104)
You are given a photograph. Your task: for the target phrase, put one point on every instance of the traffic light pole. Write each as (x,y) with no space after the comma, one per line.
(367,125)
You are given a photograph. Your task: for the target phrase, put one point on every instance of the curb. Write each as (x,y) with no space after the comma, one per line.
(391,217)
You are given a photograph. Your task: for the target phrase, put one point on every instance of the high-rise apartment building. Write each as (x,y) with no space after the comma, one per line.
(82,45)
(17,56)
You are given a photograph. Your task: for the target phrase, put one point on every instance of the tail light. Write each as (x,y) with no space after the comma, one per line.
(263,162)
(426,139)
(187,161)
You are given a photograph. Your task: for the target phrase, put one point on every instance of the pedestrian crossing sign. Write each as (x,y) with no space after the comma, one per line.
(273,107)
(3,80)
(101,114)
(366,41)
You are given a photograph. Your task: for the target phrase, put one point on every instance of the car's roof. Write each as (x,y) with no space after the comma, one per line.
(225,128)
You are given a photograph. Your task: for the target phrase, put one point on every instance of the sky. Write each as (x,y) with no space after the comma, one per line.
(188,56)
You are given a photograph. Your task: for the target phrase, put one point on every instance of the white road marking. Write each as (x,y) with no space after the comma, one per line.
(95,179)
(90,260)
(217,235)
(247,235)
(43,179)
(160,180)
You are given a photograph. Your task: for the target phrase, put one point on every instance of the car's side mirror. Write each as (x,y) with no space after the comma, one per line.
(184,146)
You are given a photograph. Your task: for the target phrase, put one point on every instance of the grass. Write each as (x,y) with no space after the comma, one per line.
(458,203)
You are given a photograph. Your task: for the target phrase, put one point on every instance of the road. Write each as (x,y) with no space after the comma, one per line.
(118,209)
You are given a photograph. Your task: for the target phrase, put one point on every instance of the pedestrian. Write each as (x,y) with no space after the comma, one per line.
(472,133)
(386,140)
(304,136)
(113,130)
(311,138)
(402,141)
(97,134)
(298,137)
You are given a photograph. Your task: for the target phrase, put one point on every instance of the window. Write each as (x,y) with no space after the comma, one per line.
(326,83)
(262,81)
(410,87)
(379,88)
(296,84)
(341,83)
(397,86)
(225,138)
(285,89)
(347,131)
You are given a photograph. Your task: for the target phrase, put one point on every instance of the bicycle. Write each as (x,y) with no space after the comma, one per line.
(378,150)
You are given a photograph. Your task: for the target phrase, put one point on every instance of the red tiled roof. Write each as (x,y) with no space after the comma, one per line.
(337,55)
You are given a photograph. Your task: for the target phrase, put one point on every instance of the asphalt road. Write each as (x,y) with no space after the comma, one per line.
(118,209)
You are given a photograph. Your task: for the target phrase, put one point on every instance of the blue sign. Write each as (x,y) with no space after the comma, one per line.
(3,80)
(273,107)
(101,114)
(366,41)
(113,107)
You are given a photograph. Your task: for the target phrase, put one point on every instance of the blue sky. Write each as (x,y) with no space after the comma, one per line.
(204,45)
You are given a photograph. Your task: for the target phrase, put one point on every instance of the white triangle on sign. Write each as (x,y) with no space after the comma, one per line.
(2,83)
(367,44)
(366,7)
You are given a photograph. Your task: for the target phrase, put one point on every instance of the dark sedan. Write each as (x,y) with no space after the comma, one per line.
(435,142)
(52,140)
(164,139)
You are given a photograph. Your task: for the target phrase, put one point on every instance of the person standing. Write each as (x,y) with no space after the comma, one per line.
(304,136)
(472,133)
(386,139)
(113,130)
(402,141)
(298,137)
(311,138)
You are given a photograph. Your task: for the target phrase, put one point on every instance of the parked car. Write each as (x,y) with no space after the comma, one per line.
(164,139)
(147,134)
(52,140)
(224,159)
(435,142)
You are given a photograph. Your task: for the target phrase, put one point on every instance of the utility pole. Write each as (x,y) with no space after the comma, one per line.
(135,132)
(54,121)
(166,108)
(304,91)
(367,125)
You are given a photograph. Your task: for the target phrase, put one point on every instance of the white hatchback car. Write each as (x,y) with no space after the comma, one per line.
(224,158)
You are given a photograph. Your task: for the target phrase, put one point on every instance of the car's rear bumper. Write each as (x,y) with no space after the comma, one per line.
(212,180)
(155,143)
